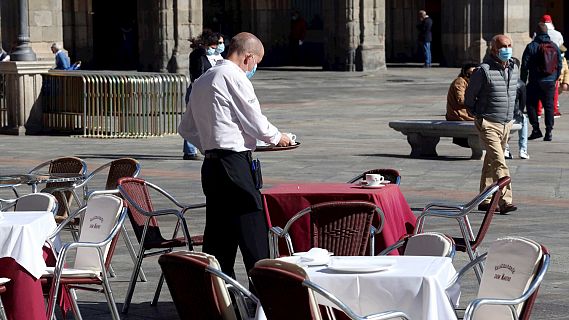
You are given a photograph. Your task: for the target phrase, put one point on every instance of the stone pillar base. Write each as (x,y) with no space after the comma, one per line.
(23,83)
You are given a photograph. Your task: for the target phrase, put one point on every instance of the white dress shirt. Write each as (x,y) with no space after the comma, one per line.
(224,113)
(214,58)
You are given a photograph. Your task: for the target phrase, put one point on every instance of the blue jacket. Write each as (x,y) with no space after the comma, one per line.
(62,61)
(530,65)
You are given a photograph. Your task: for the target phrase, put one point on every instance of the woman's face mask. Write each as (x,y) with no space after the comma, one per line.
(210,51)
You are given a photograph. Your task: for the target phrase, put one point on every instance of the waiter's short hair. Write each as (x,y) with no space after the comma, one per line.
(245,42)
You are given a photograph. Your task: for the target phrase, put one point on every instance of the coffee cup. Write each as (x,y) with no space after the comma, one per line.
(374,179)
(292,137)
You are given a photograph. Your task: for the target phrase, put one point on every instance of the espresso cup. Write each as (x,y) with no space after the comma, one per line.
(374,179)
(291,136)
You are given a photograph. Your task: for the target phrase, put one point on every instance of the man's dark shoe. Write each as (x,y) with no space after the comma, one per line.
(507,208)
(485,206)
(192,157)
(548,136)
(535,134)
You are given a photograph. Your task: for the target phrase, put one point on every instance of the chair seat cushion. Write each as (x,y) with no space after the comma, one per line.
(72,273)
(172,243)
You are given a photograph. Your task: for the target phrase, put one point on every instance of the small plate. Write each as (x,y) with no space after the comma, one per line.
(346,264)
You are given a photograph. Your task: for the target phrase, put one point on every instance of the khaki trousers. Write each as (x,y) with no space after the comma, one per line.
(494,136)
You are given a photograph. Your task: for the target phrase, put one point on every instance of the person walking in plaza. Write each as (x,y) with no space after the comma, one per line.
(456,109)
(490,96)
(425,36)
(541,67)
(557,38)
(224,120)
(520,118)
(207,49)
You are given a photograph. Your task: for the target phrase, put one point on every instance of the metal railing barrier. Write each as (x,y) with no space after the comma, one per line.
(113,104)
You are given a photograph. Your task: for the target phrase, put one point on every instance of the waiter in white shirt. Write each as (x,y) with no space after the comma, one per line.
(223,119)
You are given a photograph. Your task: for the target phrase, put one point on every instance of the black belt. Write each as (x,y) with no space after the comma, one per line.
(220,153)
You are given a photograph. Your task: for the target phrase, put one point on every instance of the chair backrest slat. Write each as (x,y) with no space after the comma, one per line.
(429,244)
(485,225)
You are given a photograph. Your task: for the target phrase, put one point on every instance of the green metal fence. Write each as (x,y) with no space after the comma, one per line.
(109,104)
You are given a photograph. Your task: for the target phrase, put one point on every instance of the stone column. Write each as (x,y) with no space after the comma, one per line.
(23,83)
(355,33)
(469,25)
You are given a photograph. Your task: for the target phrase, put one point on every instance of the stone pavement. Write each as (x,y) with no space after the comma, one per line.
(342,121)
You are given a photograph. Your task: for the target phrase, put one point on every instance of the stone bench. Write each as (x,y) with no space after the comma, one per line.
(424,135)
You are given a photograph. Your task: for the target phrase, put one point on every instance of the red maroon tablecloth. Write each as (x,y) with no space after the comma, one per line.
(23,298)
(285,200)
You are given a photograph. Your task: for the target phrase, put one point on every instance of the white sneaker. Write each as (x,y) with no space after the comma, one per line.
(508,154)
(524,154)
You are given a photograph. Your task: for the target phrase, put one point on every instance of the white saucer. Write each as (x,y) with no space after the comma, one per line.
(365,186)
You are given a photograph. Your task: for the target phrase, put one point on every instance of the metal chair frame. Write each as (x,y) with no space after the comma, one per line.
(54,190)
(460,213)
(511,303)
(275,233)
(3,315)
(149,216)
(84,186)
(103,260)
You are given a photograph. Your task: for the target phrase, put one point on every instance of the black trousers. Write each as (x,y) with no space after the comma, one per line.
(234,210)
(543,91)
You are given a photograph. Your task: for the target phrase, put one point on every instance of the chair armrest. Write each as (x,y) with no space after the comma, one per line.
(463,270)
(278,231)
(70,218)
(392,247)
(447,205)
(167,195)
(443,213)
(349,312)
(187,207)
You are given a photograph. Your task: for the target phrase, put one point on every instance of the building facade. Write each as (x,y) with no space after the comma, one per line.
(344,35)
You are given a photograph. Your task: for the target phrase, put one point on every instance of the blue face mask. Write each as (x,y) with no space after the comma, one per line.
(210,51)
(251,73)
(220,48)
(505,54)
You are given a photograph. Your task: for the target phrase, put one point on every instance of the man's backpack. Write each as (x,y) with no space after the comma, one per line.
(547,58)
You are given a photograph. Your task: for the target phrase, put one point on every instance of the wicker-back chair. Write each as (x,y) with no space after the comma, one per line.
(142,216)
(63,165)
(342,227)
(391,175)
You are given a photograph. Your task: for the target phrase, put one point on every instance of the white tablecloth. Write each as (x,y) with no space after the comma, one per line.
(22,235)
(414,285)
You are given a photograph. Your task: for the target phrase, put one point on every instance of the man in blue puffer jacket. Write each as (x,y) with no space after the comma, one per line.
(541,85)
(491,97)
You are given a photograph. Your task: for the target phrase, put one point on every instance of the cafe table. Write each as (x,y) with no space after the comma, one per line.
(283,201)
(35,179)
(22,236)
(411,284)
